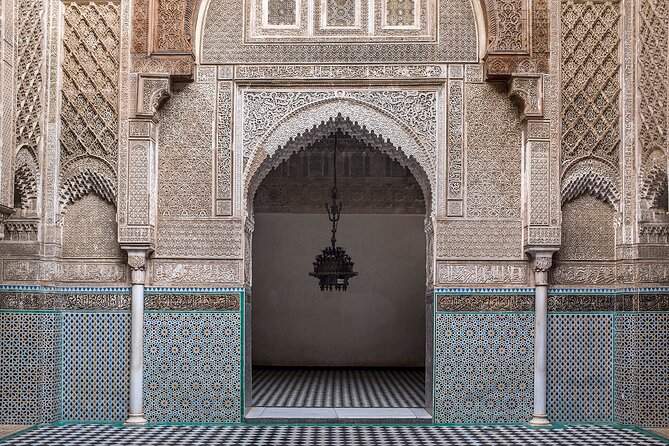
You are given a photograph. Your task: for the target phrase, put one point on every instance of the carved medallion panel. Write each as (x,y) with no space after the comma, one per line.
(276,21)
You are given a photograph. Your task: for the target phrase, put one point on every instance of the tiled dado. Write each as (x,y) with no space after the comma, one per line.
(96,366)
(30,361)
(193,367)
(580,367)
(642,369)
(483,367)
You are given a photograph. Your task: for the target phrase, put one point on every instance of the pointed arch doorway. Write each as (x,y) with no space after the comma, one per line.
(327,352)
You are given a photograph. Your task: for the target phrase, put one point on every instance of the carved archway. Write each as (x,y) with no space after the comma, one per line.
(322,119)
(594,177)
(397,140)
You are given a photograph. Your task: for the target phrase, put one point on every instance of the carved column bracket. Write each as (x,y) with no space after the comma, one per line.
(163,36)
(529,90)
(542,260)
(5,212)
(152,92)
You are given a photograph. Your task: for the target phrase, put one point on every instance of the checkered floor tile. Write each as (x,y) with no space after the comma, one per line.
(277,435)
(338,387)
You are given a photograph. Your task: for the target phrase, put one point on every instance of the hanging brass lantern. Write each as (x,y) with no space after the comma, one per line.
(333,268)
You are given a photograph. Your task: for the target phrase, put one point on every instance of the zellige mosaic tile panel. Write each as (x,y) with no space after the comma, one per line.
(483,368)
(192,367)
(96,366)
(580,367)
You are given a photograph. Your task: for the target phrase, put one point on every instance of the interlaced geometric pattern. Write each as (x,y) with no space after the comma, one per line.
(642,358)
(281,12)
(590,80)
(281,435)
(29,84)
(483,368)
(400,12)
(627,368)
(588,230)
(580,367)
(192,367)
(653,369)
(89,112)
(653,69)
(340,12)
(96,366)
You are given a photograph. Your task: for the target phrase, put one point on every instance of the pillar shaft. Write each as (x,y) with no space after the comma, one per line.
(542,262)
(136,260)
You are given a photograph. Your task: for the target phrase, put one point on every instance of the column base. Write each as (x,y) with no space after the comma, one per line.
(136,420)
(540,421)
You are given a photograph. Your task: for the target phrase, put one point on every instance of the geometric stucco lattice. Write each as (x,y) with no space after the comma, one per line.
(29,61)
(89,113)
(653,68)
(89,229)
(26,175)
(590,81)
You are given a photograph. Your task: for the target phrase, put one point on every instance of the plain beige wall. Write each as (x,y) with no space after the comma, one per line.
(379,321)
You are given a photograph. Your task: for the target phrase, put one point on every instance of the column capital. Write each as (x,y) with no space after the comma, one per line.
(137,263)
(542,260)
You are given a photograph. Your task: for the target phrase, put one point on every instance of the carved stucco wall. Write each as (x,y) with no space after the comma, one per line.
(89,229)
(654,119)
(7,104)
(591,99)
(223,39)
(588,230)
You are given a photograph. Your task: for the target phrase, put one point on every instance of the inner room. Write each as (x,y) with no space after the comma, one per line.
(363,347)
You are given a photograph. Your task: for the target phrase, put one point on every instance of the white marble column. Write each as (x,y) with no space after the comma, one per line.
(137,262)
(542,261)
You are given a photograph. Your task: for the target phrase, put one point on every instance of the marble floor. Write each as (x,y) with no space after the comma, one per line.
(661,432)
(329,435)
(338,387)
(10,429)
(338,415)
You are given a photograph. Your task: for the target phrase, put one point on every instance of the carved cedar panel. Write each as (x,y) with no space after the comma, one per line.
(228,27)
